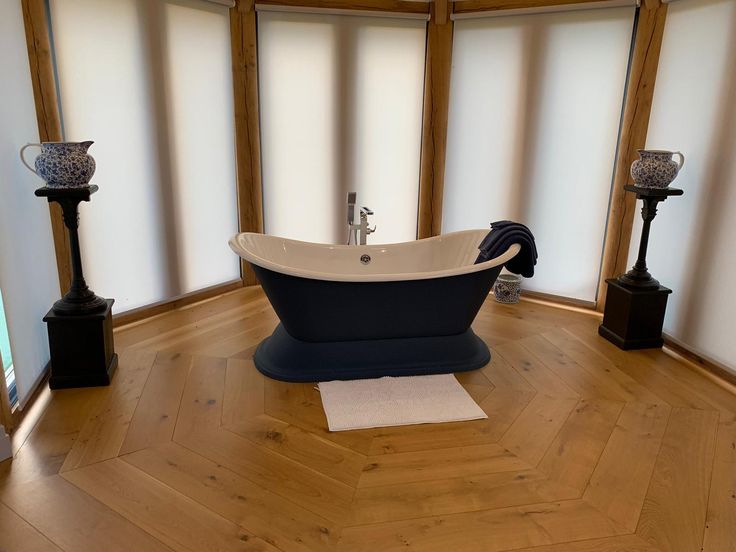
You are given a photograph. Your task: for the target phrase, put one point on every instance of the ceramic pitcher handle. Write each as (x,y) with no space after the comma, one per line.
(681,162)
(23,159)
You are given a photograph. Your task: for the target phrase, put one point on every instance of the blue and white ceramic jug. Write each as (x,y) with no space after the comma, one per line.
(656,168)
(63,164)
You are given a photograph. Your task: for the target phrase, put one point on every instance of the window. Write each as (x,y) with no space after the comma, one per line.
(535,107)
(341,110)
(151,84)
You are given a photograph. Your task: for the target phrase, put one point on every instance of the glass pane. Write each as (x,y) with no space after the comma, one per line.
(388,131)
(296,76)
(341,110)
(121,231)
(694,236)
(202,141)
(535,105)
(150,83)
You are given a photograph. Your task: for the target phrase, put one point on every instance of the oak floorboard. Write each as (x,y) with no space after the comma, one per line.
(720,522)
(431,437)
(409,467)
(151,332)
(300,405)
(502,375)
(717,396)
(323,456)
(103,433)
(619,482)
(580,346)
(74,520)
(276,520)
(319,493)
(634,367)
(674,511)
(455,495)
(574,453)
(155,415)
(201,338)
(532,433)
(624,543)
(586,383)
(174,519)
(17,535)
(52,438)
(202,400)
(475,383)
(244,340)
(549,316)
(535,371)
(489,530)
(244,395)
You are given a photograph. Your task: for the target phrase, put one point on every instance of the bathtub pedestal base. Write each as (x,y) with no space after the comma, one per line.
(284,358)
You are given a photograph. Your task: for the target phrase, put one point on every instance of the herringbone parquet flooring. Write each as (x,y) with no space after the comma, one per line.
(586,448)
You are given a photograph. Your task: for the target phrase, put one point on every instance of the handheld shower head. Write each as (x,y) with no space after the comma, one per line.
(352,198)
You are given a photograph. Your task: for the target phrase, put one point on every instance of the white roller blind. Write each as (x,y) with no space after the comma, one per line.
(28,276)
(693,238)
(535,106)
(341,110)
(150,82)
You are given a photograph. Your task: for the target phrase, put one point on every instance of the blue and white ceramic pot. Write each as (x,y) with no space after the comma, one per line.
(656,168)
(63,164)
(507,288)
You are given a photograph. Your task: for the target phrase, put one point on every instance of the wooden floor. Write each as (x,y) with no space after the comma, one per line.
(586,448)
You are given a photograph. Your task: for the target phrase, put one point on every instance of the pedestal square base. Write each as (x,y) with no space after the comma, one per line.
(82,349)
(633,318)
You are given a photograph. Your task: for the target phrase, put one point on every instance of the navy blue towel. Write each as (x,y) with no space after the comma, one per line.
(503,234)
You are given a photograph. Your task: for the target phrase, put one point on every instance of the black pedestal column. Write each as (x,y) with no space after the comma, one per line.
(80,323)
(636,302)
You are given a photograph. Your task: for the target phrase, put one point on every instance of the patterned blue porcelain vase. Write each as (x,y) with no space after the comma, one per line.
(656,168)
(507,288)
(63,164)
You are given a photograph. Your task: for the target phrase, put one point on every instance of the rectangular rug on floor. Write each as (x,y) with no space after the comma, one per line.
(390,401)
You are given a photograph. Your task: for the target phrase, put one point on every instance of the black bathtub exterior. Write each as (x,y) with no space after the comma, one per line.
(330,311)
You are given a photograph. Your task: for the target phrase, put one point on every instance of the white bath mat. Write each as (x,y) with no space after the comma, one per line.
(391,401)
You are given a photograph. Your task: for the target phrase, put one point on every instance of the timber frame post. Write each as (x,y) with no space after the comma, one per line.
(434,119)
(35,21)
(247,128)
(634,126)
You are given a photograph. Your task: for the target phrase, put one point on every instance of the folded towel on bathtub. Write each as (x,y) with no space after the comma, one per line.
(503,234)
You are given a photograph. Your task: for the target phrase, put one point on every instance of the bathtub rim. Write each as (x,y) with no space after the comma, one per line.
(248,255)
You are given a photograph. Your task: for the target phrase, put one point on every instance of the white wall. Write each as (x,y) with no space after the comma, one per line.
(28,275)
(692,248)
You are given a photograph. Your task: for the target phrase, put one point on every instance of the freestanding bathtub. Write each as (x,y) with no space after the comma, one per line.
(365,311)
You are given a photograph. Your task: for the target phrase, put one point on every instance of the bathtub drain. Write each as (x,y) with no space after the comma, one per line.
(365,259)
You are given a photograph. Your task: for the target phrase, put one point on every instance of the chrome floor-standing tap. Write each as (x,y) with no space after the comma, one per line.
(358,233)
